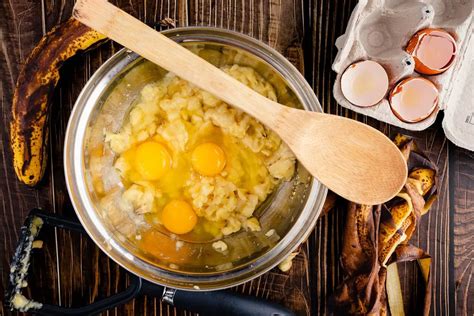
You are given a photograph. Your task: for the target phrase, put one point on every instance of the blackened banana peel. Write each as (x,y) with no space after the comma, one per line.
(38,77)
(377,236)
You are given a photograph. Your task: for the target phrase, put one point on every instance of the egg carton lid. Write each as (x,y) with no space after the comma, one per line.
(456,93)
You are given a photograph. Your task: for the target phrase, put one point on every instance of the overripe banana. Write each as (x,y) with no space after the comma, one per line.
(376,238)
(33,93)
(426,176)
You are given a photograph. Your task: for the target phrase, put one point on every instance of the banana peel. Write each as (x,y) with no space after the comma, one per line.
(401,216)
(363,290)
(358,252)
(38,77)
(423,176)
(376,237)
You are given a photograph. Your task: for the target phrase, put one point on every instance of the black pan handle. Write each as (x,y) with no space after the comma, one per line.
(206,303)
(216,302)
(97,307)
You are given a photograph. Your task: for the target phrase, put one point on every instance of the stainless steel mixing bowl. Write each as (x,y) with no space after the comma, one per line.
(290,212)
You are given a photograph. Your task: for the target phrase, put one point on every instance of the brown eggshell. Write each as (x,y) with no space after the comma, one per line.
(407,112)
(417,41)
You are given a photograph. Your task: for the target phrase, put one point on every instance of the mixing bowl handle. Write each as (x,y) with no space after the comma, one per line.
(216,302)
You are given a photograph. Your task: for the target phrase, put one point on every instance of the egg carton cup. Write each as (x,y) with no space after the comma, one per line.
(379,30)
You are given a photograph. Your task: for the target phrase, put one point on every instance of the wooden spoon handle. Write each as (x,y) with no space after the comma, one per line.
(354,160)
(147,42)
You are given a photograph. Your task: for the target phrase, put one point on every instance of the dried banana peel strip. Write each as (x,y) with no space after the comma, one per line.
(394,291)
(33,93)
(363,292)
(358,251)
(393,288)
(393,227)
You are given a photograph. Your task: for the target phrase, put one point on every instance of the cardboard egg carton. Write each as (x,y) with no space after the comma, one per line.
(379,30)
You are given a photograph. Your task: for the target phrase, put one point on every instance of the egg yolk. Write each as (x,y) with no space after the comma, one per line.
(208,159)
(178,217)
(152,160)
(164,247)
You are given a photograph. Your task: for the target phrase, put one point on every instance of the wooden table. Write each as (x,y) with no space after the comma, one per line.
(72,271)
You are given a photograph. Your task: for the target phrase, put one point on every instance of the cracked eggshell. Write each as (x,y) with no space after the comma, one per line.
(364,83)
(380,30)
(414,99)
(421,47)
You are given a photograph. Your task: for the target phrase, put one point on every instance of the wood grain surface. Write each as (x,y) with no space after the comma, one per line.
(71,271)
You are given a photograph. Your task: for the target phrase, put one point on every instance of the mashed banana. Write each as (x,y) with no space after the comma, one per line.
(172,118)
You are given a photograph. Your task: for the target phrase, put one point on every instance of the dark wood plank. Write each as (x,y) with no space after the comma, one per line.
(462,199)
(18,35)
(433,231)
(326,20)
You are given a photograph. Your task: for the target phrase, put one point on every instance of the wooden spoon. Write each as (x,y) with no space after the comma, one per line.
(352,159)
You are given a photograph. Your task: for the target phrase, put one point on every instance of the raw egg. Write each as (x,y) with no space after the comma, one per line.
(433,51)
(364,83)
(152,160)
(208,159)
(414,99)
(163,247)
(179,217)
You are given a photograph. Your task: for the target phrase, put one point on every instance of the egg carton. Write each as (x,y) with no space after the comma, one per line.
(379,30)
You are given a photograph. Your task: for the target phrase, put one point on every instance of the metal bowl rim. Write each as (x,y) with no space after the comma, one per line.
(83,205)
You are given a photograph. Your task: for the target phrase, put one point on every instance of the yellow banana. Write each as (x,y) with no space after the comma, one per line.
(33,92)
